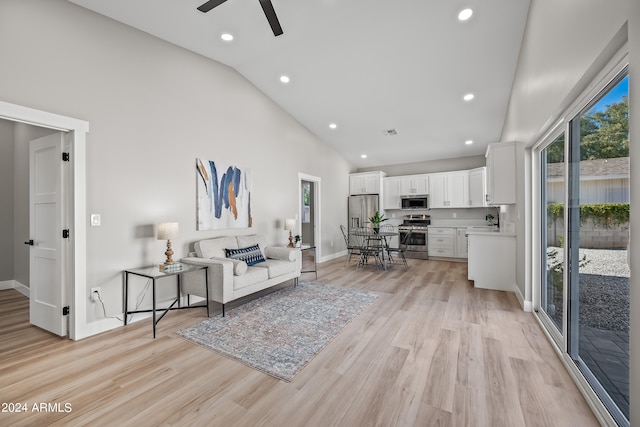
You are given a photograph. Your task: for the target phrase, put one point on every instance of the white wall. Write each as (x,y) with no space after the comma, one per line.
(153,108)
(6,194)
(430,166)
(564,46)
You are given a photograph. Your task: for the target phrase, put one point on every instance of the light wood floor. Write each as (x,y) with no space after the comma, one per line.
(431,350)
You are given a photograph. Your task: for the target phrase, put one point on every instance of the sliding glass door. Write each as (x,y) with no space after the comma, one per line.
(584,209)
(598,232)
(552,271)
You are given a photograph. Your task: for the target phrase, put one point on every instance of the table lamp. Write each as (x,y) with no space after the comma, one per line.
(168,231)
(290,224)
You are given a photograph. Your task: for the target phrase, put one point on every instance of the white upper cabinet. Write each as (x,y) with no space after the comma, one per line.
(477,187)
(501,173)
(438,196)
(458,188)
(415,185)
(449,190)
(365,183)
(392,188)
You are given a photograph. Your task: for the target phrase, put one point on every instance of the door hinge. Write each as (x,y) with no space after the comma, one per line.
(65,157)
(65,310)
(65,233)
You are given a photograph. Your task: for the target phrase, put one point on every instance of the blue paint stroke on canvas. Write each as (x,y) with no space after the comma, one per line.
(225,201)
(215,190)
(230,190)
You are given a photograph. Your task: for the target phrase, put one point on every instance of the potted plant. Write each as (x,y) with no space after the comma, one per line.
(297,239)
(489,219)
(376,220)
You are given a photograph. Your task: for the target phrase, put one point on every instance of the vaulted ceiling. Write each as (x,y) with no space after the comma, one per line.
(367,66)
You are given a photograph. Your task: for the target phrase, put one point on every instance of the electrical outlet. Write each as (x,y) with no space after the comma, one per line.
(455,215)
(95,294)
(96,220)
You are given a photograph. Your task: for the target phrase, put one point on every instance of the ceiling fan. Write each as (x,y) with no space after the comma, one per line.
(267,7)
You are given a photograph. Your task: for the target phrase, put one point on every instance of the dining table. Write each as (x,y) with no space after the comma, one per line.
(378,240)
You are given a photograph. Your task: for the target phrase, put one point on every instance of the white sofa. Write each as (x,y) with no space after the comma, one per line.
(230,279)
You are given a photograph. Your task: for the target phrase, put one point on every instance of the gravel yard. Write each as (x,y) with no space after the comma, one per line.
(604,289)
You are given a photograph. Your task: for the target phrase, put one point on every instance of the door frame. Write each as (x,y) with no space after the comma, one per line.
(316,209)
(76,198)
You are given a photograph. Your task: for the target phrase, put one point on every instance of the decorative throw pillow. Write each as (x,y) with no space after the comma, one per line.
(251,254)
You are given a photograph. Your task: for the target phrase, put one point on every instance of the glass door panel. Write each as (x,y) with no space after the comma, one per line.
(598,232)
(553,193)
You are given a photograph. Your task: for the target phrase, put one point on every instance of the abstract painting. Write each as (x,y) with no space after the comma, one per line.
(223,196)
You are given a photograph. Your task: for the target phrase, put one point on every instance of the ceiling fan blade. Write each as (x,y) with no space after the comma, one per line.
(210,5)
(270,13)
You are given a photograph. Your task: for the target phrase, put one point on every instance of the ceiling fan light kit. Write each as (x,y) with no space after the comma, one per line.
(267,8)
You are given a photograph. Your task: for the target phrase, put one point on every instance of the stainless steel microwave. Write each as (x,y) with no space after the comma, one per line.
(415,202)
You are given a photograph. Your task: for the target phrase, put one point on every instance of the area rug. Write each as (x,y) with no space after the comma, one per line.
(282,331)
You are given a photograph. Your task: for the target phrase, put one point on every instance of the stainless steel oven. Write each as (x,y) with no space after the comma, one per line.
(417,244)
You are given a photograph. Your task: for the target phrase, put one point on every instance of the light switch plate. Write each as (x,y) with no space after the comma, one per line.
(96,221)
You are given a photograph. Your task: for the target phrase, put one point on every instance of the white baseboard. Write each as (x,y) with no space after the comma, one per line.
(526,305)
(332,256)
(14,284)
(97,327)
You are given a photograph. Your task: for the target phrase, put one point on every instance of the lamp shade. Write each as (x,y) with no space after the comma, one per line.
(167,230)
(289,224)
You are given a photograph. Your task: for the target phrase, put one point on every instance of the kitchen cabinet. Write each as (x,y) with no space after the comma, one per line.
(438,196)
(449,189)
(447,242)
(492,260)
(365,183)
(477,187)
(501,173)
(461,243)
(440,242)
(392,187)
(414,185)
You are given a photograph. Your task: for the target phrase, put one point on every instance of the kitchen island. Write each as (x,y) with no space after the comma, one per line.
(492,259)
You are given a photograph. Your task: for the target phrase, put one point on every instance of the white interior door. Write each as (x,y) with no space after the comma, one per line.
(46,219)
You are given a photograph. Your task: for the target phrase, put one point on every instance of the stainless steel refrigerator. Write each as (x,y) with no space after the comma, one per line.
(361,208)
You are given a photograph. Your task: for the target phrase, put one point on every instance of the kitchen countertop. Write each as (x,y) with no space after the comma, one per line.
(508,230)
(482,232)
(459,223)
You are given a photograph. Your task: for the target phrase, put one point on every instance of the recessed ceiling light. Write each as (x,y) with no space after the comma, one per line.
(285,79)
(333,125)
(469,97)
(364,156)
(465,14)
(468,142)
(227,37)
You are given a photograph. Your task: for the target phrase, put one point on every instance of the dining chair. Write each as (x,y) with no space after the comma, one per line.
(388,228)
(402,248)
(352,247)
(369,247)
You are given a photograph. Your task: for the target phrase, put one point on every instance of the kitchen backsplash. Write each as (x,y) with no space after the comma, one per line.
(444,214)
